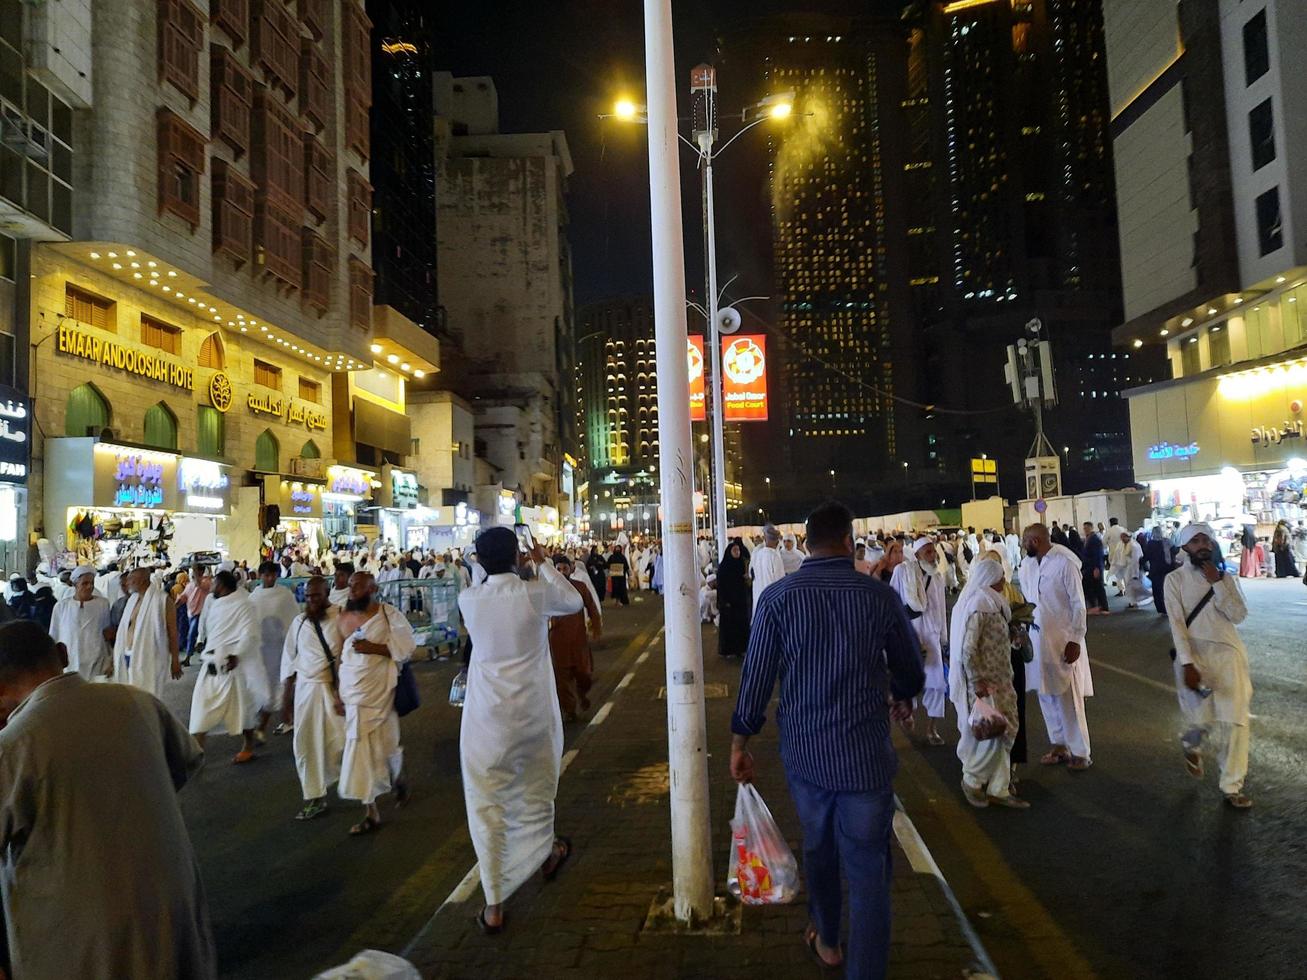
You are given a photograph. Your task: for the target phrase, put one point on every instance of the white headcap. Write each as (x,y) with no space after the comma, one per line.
(920,543)
(82,571)
(1189,530)
(227,566)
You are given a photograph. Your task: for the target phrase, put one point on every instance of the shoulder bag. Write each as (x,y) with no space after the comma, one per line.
(1202,603)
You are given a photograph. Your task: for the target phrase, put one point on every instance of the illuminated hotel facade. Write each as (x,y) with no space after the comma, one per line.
(1212,180)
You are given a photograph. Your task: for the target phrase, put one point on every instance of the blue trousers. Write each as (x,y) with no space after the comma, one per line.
(192,634)
(851,829)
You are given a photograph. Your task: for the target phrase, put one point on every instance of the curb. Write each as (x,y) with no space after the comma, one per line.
(922,862)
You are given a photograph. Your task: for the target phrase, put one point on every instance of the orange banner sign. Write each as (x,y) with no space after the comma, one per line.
(694,350)
(744,375)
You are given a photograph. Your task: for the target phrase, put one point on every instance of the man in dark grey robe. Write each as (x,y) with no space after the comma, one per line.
(97,874)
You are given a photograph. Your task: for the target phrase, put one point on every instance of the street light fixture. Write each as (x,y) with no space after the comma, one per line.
(777,106)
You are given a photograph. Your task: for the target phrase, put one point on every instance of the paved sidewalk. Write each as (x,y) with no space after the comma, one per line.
(613,803)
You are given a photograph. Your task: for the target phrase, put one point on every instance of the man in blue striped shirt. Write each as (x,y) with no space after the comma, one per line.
(847,659)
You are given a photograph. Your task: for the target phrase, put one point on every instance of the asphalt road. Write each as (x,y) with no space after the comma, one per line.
(1134,869)
(288,899)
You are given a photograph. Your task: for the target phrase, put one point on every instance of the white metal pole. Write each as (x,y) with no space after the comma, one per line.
(692,875)
(718,416)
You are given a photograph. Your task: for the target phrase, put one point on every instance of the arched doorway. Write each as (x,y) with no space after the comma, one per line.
(87,411)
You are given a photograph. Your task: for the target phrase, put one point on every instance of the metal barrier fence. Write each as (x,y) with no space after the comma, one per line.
(429,604)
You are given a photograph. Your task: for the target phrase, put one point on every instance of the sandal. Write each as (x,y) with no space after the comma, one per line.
(548,873)
(1193,763)
(486,927)
(1078,763)
(403,793)
(365,826)
(1238,801)
(243,756)
(312,809)
(810,940)
(1056,757)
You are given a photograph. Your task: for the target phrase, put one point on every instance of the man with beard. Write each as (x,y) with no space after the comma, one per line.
(81,623)
(274,608)
(377,639)
(309,663)
(1204,605)
(145,651)
(232,685)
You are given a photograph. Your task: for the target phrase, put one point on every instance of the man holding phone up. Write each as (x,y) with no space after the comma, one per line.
(1212,680)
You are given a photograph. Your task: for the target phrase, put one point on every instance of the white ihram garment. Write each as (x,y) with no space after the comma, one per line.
(274,609)
(140,653)
(319,740)
(792,558)
(766,567)
(1117,557)
(228,699)
(1054,585)
(512,733)
(80,627)
(373,758)
(1135,592)
(924,593)
(1213,645)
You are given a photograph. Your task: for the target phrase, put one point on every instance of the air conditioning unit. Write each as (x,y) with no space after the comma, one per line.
(306,467)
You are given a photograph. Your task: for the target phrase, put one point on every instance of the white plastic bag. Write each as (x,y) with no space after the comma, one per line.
(986,721)
(762,869)
(373,964)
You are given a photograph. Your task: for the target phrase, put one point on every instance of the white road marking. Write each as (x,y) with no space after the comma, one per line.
(601,714)
(923,862)
(1168,688)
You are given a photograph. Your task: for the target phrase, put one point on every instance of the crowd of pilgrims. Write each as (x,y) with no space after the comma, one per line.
(998,651)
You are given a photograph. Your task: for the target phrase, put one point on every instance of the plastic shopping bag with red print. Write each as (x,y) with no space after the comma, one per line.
(762,869)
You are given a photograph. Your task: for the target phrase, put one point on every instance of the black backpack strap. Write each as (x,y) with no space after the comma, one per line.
(1202,603)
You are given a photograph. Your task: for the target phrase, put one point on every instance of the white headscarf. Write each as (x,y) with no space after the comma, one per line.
(913,584)
(977,596)
(1189,530)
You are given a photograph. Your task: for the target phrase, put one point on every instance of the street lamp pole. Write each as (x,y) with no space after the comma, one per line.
(687,741)
(718,414)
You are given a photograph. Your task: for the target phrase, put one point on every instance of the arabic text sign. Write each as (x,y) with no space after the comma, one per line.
(1266,435)
(1164,450)
(694,351)
(134,478)
(744,378)
(15,430)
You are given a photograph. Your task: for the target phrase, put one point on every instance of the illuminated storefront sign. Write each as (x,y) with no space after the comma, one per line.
(403,489)
(694,351)
(744,378)
(312,418)
(347,481)
(1275,434)
(15,432)
(77,343)
(136,479)
(204,486)
(1164,450)
(300,501)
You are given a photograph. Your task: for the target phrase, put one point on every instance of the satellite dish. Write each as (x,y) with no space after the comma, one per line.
(728,320)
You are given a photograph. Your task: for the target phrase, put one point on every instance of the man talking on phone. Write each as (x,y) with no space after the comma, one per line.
(1204,605)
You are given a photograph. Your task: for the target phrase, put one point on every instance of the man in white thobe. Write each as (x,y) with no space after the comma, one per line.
(274,608)
(1133,582)
(80,622)
(377,640)
(1212,678)
(766,565)
(1050,578)
(791,556)
(145,646)
(232,684)
(921,587)
(309,662)
(512,732)
(1117,557)
(339,593)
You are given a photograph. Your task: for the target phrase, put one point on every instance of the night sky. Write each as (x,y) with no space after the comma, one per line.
(558,64)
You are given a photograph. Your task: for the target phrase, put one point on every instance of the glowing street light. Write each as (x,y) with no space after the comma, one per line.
(626,110)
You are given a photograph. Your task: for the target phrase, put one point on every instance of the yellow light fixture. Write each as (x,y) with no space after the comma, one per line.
(376,348)
(172,273)
(152,263)
(131,254)
(960,5)
(392,358)
(419,373)
(1165,332)
(117,265)
(781,110)
(625,110)
(1211,311)
(95,255)
(136,275)
(113,255)
(1138,344)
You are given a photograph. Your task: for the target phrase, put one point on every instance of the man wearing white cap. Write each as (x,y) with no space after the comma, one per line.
(766,566)
(80,622)
(1212,680)
(1050,578)
(921,587)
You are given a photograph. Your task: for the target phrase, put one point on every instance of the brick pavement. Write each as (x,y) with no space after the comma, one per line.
(613,803)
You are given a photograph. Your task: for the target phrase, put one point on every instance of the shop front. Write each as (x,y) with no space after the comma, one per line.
(292,513)
(347,489)
(15,442)
(402,514)
(117,501)
(1225,446)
